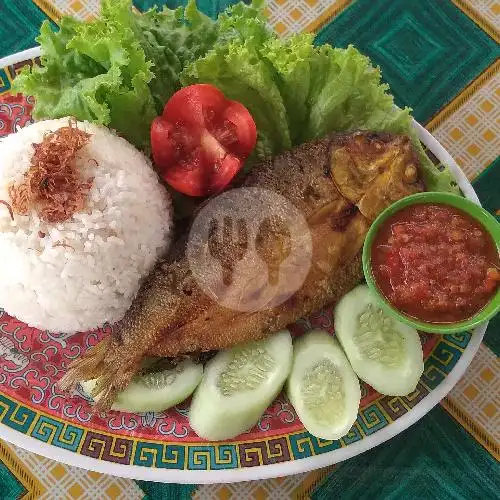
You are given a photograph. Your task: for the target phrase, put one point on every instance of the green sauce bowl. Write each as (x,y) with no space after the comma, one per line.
(482,216)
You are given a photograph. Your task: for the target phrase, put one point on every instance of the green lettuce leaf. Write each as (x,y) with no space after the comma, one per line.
(336,90)
(236,66)
(94,71)
(118,70)
(297,92)
(237,69)
(346,93)
(58,73)
(246,23)
(291,60)
(122,68)
(171,39)
(111,42)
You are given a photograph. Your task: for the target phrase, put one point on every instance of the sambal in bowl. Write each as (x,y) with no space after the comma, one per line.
(433,261)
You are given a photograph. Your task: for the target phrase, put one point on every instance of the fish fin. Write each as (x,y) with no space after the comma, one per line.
(87,367)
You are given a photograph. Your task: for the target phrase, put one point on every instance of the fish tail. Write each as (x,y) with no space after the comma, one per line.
(88,367)
(113,362)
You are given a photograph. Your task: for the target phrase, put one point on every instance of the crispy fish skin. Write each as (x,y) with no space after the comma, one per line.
(373,171)
(339,183)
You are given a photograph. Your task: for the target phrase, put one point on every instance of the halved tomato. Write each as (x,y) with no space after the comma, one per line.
(201,140)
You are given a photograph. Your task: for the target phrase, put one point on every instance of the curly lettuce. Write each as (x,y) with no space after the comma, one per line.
(122,68)
(94,71)
(235,65)
(118,70)
(171,39)
(238,71)
(297,91)
(291,62)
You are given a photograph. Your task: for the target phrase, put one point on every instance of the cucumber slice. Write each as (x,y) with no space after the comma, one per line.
(238,385)
(322,387)
(155,391)
(383,352)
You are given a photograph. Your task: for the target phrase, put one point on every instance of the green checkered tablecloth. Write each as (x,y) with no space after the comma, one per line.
(441,57)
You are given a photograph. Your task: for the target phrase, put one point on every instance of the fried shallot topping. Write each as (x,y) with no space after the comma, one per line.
(52,186)
(9,208)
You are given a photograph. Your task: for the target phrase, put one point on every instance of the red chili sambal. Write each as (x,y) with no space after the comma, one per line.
(435,263)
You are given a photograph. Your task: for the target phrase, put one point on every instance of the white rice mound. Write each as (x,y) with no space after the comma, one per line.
(114,242)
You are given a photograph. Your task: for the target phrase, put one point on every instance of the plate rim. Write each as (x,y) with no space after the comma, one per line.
(278,469)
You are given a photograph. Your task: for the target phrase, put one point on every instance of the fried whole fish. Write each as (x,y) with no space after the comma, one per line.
(339,184)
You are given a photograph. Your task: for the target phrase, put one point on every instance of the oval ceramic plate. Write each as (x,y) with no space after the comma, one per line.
(162,446)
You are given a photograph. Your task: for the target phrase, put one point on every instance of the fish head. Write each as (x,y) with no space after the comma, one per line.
(373,170)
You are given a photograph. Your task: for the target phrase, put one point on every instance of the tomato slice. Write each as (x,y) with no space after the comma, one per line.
(202,140)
